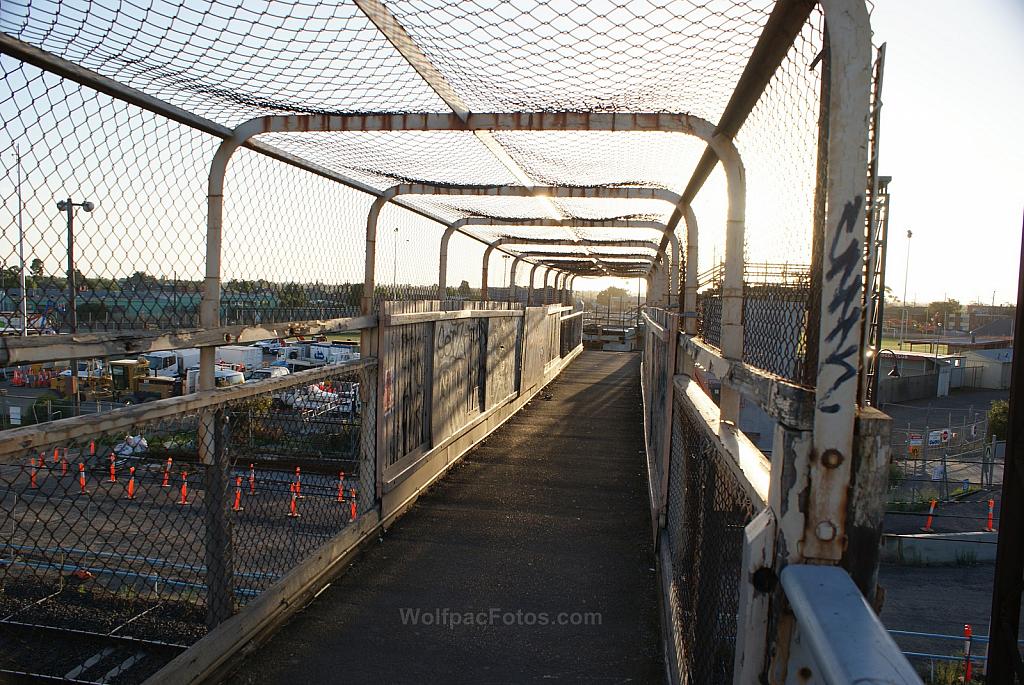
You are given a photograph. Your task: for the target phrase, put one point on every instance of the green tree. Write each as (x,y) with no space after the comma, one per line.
(939,311)
(464,289)
(293,295)
(10,277)
(35,268)
(999,419)
(611,293)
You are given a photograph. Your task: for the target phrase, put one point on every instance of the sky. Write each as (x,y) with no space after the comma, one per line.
(948,131)
(952,138)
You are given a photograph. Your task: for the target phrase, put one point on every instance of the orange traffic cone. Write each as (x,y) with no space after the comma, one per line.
(81,477)
(293,510)
(184,489)
(64,465)
(92,448)
(167,474)
(32,473)
(352,505)
(113,471)
(341,486)
(131,483)
(298,483)
(928,524)
(56,455)
(238,494)
(991,514)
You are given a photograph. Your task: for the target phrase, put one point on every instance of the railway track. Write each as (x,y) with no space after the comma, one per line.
(37,653)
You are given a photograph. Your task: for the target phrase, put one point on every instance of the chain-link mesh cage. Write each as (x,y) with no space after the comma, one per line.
(571,334)
(775,318)
(943,455)
(161,528)
(707,512)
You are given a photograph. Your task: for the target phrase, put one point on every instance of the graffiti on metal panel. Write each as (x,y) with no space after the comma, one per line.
(845,266)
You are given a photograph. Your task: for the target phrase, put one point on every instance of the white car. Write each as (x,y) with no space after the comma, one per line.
(269,346)
(131,446)
(313,397)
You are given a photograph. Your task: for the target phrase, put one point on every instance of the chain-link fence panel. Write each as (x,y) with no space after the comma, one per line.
(707,512)
(155,530)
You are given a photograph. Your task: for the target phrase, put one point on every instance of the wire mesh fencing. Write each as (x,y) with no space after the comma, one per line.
(952,458)
(159,528)
(706,514)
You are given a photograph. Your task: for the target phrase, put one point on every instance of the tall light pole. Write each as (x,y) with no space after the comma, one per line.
(906,275)
(394,264)
(69,207)
(21,251)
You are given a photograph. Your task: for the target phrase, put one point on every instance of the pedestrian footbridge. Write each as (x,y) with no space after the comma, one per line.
(421,202)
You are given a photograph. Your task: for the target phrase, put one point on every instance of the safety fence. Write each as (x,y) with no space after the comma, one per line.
(723,518)
(949,458)
(134,534)
(159,521)
(776,298)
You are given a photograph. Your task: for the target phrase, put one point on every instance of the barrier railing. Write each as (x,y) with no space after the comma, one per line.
(156,522)
(213,516)
(729,523)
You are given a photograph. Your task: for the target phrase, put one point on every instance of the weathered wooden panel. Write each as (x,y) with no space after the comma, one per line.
(502,342)
(537,346)
(402,411)
(458,378)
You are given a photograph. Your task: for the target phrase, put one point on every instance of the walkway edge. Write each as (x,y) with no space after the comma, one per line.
(214,654)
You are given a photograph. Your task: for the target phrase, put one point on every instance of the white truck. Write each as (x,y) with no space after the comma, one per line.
(244,358)
(306,355)
(172,363)
(269,372)
(222,379)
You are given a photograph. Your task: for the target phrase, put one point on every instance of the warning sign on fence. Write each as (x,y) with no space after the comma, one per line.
(914,442)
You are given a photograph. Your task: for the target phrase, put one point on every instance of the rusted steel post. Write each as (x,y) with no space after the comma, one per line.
(839,339)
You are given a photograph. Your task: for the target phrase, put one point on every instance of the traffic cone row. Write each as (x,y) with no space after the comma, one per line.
(295,487)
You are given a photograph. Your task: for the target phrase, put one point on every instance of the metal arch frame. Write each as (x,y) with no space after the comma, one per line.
(582,223)
(528,255)
(732,339)
(461,190)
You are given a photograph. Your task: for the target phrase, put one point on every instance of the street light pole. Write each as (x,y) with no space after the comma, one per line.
(394,264)
(906,275)
(68,206)
(21,251)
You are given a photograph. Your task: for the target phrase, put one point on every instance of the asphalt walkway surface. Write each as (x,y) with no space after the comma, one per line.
(531,561)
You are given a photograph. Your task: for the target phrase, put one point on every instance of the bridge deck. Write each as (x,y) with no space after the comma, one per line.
(547,517)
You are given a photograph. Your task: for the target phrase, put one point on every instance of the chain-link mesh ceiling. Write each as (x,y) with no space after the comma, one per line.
(228,62)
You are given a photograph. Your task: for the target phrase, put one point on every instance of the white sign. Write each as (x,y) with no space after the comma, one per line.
(15,416)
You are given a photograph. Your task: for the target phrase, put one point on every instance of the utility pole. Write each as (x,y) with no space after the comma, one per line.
(906,276)
(68,206)
(21,251)
(394,264)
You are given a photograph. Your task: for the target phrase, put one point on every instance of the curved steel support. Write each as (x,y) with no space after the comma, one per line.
(484,296)
(529,292)
(513,289)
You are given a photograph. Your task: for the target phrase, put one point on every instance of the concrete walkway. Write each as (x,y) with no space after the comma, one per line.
(545,522)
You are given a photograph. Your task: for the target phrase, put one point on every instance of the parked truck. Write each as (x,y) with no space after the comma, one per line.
(244,358)
(305,354)
(171,363)
(222,378)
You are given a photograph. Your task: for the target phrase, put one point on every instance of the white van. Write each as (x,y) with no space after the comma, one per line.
(269,372)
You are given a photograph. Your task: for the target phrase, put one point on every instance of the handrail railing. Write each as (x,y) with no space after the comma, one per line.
(840,636)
